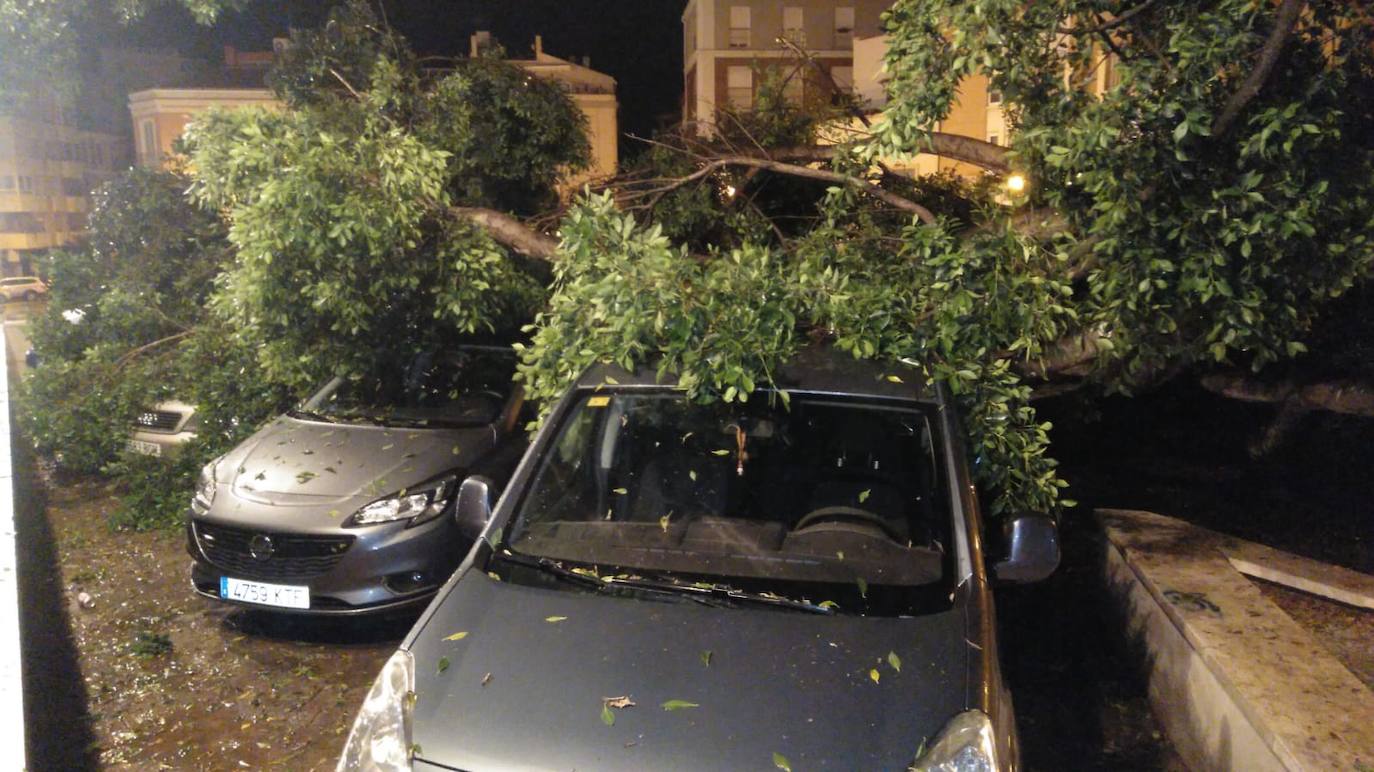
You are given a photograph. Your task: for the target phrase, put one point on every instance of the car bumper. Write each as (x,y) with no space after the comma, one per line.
(372,575)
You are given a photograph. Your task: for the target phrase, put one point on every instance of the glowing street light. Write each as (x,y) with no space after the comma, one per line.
(1016,183)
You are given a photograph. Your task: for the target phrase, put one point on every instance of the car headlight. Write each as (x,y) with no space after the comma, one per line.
(418,505)
(205,490)
(380,738)
(966,744)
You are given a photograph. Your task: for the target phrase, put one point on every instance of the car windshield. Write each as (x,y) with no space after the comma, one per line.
(823,492)
(465,388)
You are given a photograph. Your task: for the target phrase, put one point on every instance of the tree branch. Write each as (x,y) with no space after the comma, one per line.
(509,232)
(1347,396)
(1116,21)
(1284,21)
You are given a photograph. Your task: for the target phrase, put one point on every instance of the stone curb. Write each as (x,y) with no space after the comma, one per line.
(1235,681)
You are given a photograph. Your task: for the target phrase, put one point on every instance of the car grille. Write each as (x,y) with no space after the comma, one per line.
(294,556)
(162,420)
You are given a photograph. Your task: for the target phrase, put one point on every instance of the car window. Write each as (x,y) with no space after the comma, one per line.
(826,491)
(467,387)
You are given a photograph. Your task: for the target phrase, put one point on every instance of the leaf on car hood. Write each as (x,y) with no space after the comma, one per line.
(622,701)
(895,661)
(679,705)
(874,674)
(443,664)
(457,636)
(780,761)
(607,717)
(554,619)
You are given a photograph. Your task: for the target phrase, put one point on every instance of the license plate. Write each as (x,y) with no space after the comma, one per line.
(264,594)
(146,448)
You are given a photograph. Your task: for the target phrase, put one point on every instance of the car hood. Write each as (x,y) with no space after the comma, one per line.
(523,689)
(304,463)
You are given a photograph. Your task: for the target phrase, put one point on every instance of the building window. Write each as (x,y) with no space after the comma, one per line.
(25,184)
(794,88)
(72,186)
(794,24)
(844,79)
(994,139)
(6,182)
(844,27)
(994,97)
(148,142)
(739,91)
(741,23)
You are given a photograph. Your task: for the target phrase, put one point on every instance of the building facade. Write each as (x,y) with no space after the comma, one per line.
(730,46)
(160,115)
(47,172)
(593,92)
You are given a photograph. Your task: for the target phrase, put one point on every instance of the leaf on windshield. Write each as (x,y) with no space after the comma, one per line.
(623,701)
(443,664)
(554,619)
(486,679)
(895,661)
(685,436)
(840,554)
(331,470)
(780,761)
(335,513)
(679,705)
(607,717)
(305,477)
(389,446)
(495,577)
(692,473)
(329,433)
(864,494)
(412,435)
(863,587)
(619,491)
(456,450)
(612,381)
(874,674)
(663,521)
(706,658)
(408,455)
(828,604)
(720,452)
(894,379)
(260,476)
(307,452)
(456,636)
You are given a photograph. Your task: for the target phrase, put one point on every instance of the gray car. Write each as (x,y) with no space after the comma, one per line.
(344,506)
(799,581)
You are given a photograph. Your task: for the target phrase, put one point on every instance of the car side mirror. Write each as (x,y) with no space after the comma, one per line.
(1031,544)
(473,511)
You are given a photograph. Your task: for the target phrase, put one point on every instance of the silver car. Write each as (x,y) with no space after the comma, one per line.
(338,507)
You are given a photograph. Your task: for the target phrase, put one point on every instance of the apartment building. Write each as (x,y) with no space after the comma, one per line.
(160,115)
(729,46)
(47,172)
(593,92)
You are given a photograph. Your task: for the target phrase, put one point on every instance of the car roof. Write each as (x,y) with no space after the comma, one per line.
(815,369)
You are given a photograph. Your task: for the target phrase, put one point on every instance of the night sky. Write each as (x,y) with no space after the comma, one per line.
(638,42)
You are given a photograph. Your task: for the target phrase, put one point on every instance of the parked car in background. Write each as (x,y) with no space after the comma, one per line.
(163,428)
(22,288)
(344,505)
(796,581)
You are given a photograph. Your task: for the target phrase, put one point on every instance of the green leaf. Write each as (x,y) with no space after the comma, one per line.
(706,658)
(554,619)
(874,675)
(679,705)
(895,661)
(864,494)
(456,636)
(607,716)
(780,762)
(863,586)
(721,452)
(443,664)
(619,491)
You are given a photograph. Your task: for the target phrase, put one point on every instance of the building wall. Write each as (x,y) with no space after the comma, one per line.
(710,48)
(160,115)
(47,172)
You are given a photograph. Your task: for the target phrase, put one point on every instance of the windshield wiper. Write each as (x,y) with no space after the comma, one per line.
(719,595)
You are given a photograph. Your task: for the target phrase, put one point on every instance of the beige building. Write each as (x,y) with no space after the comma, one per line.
(730,45)
(593,92)
(47,172)
(160,115)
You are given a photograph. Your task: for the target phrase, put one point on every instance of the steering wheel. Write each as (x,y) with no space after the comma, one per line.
(841,512)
